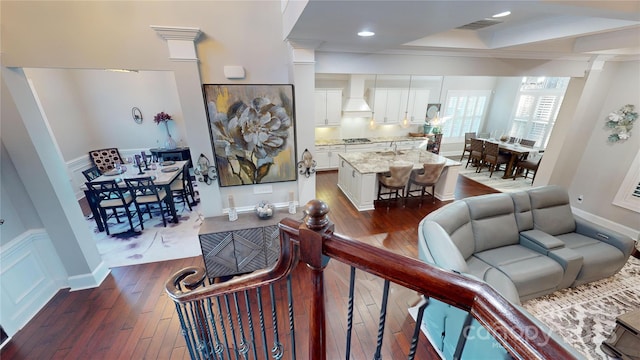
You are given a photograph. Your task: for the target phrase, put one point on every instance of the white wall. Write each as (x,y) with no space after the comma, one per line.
(91,109)
(603,165)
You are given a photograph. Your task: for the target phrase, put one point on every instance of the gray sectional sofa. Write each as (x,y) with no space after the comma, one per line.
(525,244)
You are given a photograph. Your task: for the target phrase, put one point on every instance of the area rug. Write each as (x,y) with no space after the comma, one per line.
(496,181)
(585,316)
(155,243)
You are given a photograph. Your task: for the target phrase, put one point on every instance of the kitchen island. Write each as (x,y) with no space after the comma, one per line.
(357,173)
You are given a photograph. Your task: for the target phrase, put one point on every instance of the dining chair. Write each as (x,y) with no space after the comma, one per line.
(146,192)
(91,173)
(180,189)
(526,166)
(476,154)
(434,147)
(109,195)
(105,159)
(493,158)
(467,143)
(394,182)
(428,176)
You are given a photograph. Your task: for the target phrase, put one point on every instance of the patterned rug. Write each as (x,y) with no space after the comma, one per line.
(585,316)
(155,243)
(496,181)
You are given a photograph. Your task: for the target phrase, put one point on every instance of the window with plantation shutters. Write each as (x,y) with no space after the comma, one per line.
(537,108)
(628,195)
(463,112)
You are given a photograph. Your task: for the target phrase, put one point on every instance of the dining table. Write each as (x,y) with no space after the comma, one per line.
(516,151)
(164,174)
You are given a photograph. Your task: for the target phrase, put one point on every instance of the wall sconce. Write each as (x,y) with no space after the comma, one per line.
(307,165)
(206,173)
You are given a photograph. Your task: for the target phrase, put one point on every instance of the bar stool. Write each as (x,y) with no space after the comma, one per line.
(394,181)
(428,176)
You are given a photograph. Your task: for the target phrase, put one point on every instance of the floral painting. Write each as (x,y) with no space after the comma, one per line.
(252,132)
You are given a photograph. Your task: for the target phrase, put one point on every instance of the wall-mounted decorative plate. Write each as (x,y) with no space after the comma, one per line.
(137,115)
(432,111)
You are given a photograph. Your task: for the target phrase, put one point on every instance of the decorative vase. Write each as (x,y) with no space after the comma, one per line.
(169,143)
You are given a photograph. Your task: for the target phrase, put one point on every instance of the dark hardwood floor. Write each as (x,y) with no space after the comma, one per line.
(130,316)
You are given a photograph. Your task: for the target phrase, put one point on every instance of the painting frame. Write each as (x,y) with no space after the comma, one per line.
(252,132)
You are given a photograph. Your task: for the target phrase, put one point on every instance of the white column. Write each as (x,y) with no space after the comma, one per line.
(304,85)
(182,51)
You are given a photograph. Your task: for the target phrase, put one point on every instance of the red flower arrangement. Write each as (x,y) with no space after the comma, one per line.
(161,117)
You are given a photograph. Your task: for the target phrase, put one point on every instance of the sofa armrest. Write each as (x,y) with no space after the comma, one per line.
(613,238)
(436,246)
(540,241)
(571,263)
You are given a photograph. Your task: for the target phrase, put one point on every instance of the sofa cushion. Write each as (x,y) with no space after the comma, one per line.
(454,219)
(522,210)
(551,210)
(493,221)
(600,260)
(494,277)
(531,272)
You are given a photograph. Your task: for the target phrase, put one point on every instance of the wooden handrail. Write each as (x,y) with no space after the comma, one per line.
(314,243)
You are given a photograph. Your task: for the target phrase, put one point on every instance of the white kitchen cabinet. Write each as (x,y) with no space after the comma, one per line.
(389,105)
(418,101)
(356,186)
(327,156)
(328,103)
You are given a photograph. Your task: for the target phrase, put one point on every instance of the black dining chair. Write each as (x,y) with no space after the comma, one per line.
(109,195)
(180,189)
(146,192)
(91,173)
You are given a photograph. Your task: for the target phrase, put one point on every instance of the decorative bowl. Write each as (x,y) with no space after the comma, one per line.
(265,210)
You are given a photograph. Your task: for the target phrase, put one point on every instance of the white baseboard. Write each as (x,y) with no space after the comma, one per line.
(632,233)
(89,281)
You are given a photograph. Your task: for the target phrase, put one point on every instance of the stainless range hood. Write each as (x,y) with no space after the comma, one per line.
(354,104)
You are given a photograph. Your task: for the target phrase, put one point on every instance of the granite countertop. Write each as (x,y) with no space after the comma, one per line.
(371,140)
(379,161)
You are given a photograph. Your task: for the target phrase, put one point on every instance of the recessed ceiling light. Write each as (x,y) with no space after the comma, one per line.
(502,14)
(366,33)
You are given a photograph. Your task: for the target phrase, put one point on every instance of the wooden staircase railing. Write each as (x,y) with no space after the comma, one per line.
(220,320)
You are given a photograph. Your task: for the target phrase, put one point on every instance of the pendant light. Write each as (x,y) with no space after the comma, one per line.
(405,121)
(372,122)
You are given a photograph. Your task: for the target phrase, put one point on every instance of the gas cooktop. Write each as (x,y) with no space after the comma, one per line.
(356,140)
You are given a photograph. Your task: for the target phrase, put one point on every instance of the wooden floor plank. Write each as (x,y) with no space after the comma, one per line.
(129,316)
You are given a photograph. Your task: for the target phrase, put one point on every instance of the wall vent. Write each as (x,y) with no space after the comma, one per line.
(480,24)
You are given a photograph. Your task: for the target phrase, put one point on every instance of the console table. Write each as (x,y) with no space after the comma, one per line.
(241,246)
(177,154)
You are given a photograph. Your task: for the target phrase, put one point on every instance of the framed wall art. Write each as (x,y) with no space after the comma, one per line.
(252,132)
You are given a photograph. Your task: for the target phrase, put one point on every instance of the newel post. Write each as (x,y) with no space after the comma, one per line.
(312,232)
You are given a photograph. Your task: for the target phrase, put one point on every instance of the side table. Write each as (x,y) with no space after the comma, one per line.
(241,246)
(625,341)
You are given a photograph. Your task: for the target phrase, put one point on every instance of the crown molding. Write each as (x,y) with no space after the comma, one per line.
(177,32)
